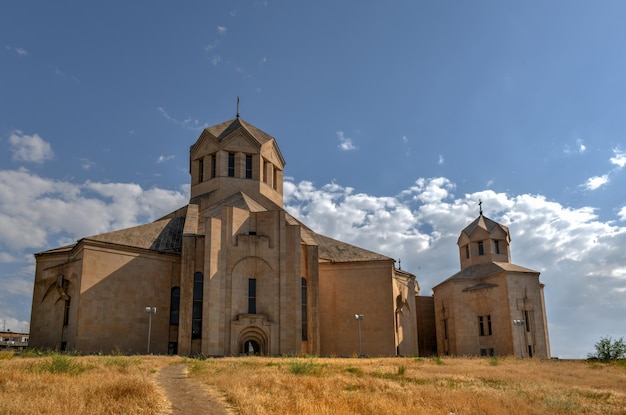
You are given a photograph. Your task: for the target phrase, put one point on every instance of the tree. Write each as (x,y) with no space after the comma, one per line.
(609,349)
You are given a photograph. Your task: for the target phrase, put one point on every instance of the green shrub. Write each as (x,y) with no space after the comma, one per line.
(63,364)
(304,368)
(609,349)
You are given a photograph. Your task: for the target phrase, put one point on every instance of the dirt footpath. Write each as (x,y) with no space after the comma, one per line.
(187,396)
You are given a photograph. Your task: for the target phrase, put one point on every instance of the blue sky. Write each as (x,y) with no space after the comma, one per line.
(394,120)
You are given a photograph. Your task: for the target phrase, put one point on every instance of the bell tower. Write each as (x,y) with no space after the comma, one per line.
(484,241)
(233,157)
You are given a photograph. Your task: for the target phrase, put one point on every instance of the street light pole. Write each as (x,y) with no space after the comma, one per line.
(150,311)
(358,318)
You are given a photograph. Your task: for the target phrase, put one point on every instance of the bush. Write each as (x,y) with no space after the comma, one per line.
(609,349)
(304,368)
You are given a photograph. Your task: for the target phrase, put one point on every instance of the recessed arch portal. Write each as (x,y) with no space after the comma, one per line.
(253,341)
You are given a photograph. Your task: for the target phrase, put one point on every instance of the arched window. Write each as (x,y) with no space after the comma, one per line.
(196,315)
(304,310)
(174,306)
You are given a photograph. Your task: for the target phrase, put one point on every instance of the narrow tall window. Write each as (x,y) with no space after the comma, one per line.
(252,296)
(200,170)
(445,329)
(196,315)
(304,310)
(496,247)
(481,248)
(484,325)
(66,313)
(275,179)
(213,167)
(231,164)
(467,251)
(527,318)
(174,306)
(248,167)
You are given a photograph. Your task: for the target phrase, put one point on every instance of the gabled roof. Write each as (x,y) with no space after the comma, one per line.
(480,271)
(222,130)
(165,234)
(332,250)
(239,200)
(484,223)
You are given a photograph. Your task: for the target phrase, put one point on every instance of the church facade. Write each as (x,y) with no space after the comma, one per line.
(233,273)
(230,273)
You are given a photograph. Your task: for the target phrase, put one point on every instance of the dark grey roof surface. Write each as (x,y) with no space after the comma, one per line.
(480,271)
(165,234)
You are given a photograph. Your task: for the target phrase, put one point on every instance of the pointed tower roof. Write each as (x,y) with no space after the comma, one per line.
(484,223)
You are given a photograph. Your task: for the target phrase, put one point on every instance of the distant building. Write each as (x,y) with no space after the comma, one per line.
(490,307)
(13,341)
(233,273)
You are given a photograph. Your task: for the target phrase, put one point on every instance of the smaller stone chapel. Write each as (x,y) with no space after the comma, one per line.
(233,273)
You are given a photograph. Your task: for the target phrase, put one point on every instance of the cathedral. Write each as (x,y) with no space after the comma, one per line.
(233,273)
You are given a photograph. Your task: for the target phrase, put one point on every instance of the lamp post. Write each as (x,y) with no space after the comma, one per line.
(520,323)
(358,318)
(150,311)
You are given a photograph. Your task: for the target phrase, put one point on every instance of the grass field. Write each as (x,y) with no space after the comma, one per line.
(61,384)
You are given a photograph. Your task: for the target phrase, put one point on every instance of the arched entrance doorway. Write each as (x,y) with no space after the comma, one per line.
(253,342)
(251,348)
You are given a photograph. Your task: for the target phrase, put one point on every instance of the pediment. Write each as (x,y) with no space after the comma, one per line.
(206,144)
(271,152)
(242,141)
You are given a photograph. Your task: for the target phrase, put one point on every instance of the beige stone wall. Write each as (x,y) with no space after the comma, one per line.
(238,247)
(116,287)
(526,303)
(48,306)
(506,301)
(109,290)
(347,289)
(426,331)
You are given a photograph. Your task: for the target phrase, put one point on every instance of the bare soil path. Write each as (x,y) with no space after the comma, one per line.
(188,396)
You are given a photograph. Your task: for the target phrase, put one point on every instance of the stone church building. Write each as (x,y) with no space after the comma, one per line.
(233,273)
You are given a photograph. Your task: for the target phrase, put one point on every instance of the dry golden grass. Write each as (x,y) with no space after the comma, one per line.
(415,386)
(59,384)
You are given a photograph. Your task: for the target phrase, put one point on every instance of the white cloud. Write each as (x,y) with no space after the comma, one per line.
(86,164)
(441,159)
(622,213)
(620,158)
(580,148)
(21,51)
(188,123)
(215,60)
(221,30)
(345,143)
(596,182)
(163,159)
(35,211)
(30,148)
(579,256)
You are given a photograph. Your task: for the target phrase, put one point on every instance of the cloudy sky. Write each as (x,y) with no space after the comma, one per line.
(394,122)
